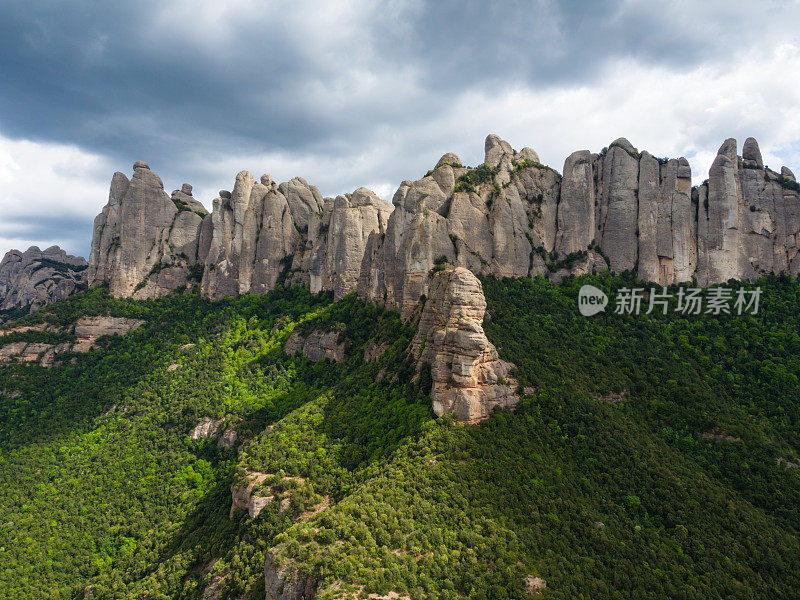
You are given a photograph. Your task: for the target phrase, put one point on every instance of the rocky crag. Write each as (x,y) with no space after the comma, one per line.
(469,379)
(512,216)
(37,277)
(80,336)
(147,244)
(620,209)
(145,241)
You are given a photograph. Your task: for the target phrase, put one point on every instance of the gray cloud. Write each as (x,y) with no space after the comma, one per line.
(69,232)
(343,93)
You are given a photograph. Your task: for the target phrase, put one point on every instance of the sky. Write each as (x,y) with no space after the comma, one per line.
(350,94)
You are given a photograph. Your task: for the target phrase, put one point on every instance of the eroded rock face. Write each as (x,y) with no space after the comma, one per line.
(748,218)
(500,218)
(207,427)
(621,209)
(247,496)
(253,494)
(284,582)
(37,277)
(337,240)
(88,329)
(228,439)
(469,379)
(144,241)
(316,345)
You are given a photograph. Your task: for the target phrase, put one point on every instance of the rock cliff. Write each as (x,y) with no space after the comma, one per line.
(284,582)
(748,218)
(511,217)
(37,277)
(317,345)
(148,244)
(469,379)
(498,218)
(83,335)
(145,242)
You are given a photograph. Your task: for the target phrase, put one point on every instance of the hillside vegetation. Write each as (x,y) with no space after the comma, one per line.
(654,457)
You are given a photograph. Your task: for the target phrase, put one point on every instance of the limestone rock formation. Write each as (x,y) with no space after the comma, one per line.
(316,345)
(748,218)
(264,231)
(469,380)
(255,491)
(144,241)
(616,213)
(228,439)
(498,218)
(89,329)
(336,242)
(37,277)
(511,216)
(207,427)
(246,495)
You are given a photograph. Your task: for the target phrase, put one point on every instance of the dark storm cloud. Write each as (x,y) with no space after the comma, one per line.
(344,93)
(70,233)
(121,79)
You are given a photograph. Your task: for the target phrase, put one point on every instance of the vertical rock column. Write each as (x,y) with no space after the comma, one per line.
(618,211)
(130,232)
(722,216)
(469,379)
(576,209)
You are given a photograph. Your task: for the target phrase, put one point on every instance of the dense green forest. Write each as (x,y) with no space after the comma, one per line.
(654,458)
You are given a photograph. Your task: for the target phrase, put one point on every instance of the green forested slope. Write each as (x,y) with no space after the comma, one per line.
(101,488)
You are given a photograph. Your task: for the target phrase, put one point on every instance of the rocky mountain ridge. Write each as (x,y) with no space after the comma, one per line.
(512,216)
(620,209)
(35,277)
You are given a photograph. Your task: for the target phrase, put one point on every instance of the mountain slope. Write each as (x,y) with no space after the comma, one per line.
(653,459)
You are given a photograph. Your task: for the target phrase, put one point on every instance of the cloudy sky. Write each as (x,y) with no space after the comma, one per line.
(367,93)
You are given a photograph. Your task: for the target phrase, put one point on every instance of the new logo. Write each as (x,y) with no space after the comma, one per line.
(591,300)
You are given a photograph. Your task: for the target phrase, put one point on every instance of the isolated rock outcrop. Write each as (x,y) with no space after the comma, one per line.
(37,277)
(316,345)
(249,496)
(469,379)
(207,427)
(285,582)
(256,490)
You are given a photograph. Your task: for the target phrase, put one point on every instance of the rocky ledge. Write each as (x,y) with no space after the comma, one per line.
(85,331)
